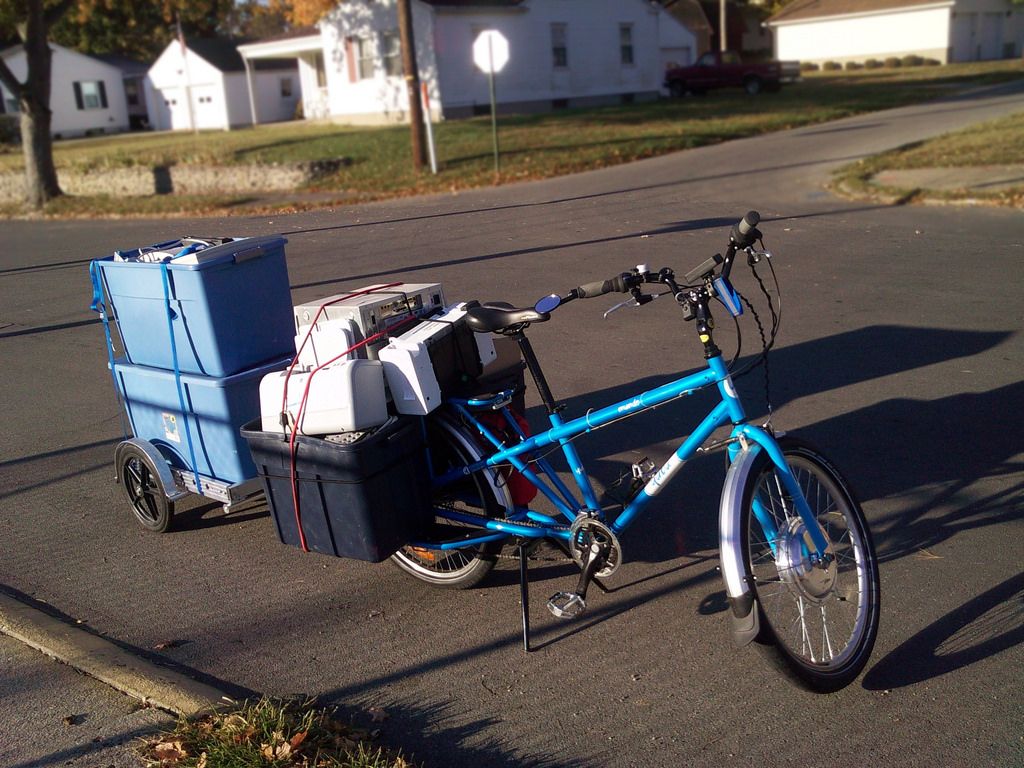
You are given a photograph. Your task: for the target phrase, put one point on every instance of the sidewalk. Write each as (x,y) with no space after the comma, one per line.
(70,697)
(54,715)
(971,179)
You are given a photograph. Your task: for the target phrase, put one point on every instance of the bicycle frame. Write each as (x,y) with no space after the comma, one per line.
(728,410)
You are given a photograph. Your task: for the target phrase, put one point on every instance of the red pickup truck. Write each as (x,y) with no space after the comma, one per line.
(725,69)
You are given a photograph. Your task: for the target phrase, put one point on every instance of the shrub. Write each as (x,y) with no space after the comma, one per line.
(932,62)
(873,64)
(913,60)
(852,65)
(893,62)
(808,66)
(831,66)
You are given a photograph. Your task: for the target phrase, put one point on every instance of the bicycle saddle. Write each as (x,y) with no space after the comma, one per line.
(498,316)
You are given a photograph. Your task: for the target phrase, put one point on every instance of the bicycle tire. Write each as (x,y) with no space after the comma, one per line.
(818,625)
(451,445)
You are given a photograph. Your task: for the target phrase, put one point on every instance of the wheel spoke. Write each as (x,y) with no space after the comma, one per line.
(823,616)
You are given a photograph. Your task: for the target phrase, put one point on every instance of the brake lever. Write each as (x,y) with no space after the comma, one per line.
(645,298)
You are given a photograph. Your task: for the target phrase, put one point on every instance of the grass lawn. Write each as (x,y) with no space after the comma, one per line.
(532,146)
(996,143)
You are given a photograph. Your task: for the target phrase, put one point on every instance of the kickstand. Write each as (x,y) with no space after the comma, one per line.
(524,594)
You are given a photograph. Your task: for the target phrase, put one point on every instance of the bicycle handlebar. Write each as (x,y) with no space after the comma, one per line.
(618,284)
(744,234)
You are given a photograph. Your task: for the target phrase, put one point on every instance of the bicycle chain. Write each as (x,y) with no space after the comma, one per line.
(525,523)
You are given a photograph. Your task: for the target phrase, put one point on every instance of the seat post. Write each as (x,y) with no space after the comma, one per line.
(538,375)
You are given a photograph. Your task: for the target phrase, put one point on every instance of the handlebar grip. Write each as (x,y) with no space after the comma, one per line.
(748,222)
(745,232)
(617,284)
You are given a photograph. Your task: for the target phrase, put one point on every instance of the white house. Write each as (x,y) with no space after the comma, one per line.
(562,53)
(855,30)
(208,87)
(86,94)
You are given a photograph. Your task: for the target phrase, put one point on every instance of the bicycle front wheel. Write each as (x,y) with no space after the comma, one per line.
(819,621)
(479,493)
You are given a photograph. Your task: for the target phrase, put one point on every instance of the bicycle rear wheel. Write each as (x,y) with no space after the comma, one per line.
(819,622)
(480,493)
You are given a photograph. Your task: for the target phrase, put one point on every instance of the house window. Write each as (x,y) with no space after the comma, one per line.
(364,58)
(626,44)
(559,51)
(90,94)
(286,87)
(391,53)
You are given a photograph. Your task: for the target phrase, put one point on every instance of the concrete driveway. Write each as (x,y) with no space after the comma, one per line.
(900,353)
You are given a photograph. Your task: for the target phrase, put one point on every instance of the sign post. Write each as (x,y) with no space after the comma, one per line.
(490,54)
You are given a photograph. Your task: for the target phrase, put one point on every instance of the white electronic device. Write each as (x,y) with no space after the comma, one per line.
(410,376)
(347,396)
(325,341)
(410,360)
(376,309)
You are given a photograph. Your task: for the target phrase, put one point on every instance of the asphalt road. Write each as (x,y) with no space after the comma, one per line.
(900,353)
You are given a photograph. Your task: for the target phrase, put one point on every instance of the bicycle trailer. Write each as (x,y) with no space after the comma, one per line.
(188,372)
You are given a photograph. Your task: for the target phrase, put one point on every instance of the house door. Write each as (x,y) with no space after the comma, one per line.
(990,38)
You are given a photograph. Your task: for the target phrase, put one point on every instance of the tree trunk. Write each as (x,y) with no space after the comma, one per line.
(34,98)
(41,183)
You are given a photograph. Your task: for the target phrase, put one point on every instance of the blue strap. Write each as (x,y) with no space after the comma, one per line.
(177,374)
(99,304)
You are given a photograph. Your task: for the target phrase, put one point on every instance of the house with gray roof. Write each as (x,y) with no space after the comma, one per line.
(857,30)
(86,94)
(207,85)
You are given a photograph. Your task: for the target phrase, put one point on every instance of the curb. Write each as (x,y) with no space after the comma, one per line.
(107,662)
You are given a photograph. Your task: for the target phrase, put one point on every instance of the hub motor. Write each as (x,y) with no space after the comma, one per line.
(815,581)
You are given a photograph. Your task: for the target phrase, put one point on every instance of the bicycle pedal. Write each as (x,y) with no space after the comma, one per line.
(567,605)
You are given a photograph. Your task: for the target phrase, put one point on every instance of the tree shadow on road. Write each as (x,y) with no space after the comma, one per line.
(979,629)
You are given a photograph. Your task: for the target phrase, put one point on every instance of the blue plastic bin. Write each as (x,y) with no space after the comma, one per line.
(230,312)
(218,407)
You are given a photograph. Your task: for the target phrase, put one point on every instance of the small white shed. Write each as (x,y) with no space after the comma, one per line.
(207,87)
(86,94)
(856,30)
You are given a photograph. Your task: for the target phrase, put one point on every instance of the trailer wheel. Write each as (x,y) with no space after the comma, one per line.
(148,498)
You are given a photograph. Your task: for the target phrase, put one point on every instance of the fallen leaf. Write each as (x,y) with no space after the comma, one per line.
(167,644)
(169,752)
(377,715)
(298,738)
(70,720)
(201,762)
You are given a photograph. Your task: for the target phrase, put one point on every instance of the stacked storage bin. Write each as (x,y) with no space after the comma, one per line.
(199,332)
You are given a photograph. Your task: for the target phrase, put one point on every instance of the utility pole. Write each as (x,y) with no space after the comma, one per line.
(412,83)
(723,37)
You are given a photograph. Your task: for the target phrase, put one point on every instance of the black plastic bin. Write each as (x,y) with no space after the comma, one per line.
(362,500)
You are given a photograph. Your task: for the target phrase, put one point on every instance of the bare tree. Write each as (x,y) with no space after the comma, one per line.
(32,20)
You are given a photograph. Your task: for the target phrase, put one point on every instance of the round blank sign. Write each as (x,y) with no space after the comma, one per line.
(490,51)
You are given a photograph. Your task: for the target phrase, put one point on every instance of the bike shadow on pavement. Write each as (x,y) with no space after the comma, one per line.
(896,446)
(982,627)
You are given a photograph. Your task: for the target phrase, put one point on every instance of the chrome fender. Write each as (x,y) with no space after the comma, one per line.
(735,574)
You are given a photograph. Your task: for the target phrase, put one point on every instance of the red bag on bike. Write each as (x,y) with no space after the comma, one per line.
(520,489)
